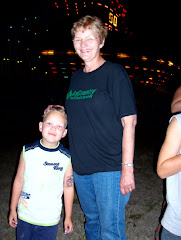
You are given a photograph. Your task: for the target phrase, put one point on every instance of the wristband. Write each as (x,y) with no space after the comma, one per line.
(128,164)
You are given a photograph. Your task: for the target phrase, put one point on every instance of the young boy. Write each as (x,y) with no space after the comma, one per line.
(169,167)
(44,174)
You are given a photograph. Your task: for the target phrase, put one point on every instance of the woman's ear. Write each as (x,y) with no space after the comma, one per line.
(102,44)
(40,126)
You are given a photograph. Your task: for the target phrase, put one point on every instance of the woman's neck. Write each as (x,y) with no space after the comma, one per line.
(91,66)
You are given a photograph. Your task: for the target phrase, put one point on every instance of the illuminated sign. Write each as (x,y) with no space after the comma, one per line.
(113,19)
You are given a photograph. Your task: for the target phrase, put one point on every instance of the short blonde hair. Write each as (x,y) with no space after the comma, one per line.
(90,22)
(56,109)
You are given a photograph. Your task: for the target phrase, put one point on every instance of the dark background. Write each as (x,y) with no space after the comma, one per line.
(155,27)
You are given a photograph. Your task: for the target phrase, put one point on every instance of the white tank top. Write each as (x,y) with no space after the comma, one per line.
(40,202)
(172,217)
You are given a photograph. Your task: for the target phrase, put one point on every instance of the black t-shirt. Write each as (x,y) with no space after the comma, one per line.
(95,104)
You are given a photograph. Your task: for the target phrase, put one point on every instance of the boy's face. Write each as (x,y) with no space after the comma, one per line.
(52,129)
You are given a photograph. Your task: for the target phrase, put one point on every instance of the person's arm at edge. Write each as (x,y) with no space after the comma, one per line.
(169,163)
(16,192)
(128,143)
(176,101)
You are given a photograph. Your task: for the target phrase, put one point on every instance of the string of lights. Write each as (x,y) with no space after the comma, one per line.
(26,54)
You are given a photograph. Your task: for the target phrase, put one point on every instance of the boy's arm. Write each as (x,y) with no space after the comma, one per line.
(176,101)
(68,199)
(168,161)
(16,192)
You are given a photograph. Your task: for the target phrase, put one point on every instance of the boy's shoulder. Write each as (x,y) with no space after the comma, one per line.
(33,145)
(37,144)
(64,150)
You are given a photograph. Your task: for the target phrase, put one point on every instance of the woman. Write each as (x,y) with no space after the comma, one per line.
(102,117)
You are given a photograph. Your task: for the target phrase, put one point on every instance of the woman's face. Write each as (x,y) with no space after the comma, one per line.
(87,44)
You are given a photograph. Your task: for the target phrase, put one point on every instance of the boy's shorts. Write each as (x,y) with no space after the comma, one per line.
(29,231)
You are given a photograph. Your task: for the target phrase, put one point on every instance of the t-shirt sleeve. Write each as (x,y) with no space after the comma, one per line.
(122,93)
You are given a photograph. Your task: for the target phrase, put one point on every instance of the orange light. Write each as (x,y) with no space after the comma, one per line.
(70,52)
(48,52)
(144,58)
(122,55)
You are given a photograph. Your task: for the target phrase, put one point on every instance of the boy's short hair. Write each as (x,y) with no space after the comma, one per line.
(93,23)
(56,109)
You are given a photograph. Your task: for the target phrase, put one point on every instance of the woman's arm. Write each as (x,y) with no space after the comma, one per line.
(127,183)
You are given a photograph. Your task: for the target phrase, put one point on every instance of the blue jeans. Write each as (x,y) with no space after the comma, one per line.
(103,205)
(27,231)
(166,235)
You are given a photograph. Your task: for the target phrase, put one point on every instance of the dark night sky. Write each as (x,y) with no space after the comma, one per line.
(155,24)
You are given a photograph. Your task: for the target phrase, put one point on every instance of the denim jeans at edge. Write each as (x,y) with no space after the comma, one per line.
(27,231)
(103,205)
(166,235)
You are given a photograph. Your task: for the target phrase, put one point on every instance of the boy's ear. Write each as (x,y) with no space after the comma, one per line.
(64,133)
(40,126)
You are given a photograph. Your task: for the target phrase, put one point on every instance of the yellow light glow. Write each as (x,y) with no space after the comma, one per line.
(113,19)
(144,58)
(145,69)
(170,63)
(158,70)
(122,55)
(48,52)
(70,52)
(160,61)
(127,66)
